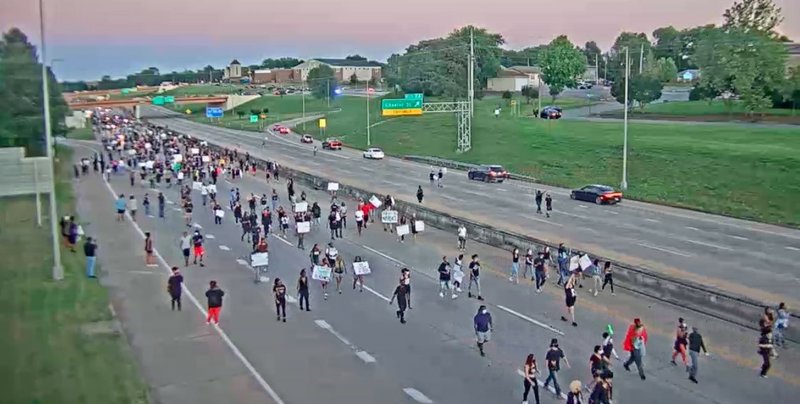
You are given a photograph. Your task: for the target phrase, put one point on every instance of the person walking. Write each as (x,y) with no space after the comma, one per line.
(695,345)
(197,242)
(475,277)
(608,278)
(302,290)
(765,348)
(174,288)
(548,203)
(539,195)
(571,296)
(420,193)
(149,260)
(554,356)
(781,324)
(186,245)
(146,204)
(214,296)
(90,251)
(339,270)
(482,323)
(358,278)
(458,274)
(529,371)
(635,342)
(120,205)
(444,278)
(514,278)
(462,237)
(133,207)
(594,271)
(539,271)
(359,216)
(161,202)
(681,341)
(279,290)
(405,277)
(401,294)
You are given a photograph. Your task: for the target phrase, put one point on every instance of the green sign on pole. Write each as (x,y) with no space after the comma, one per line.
(126,91)
(169,99)
(158,100)
(401,104)
(253,118)
(414,96)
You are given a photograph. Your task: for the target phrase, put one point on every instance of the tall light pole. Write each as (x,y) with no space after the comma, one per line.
(471,71)
(303,97)
(58,270)
(329,93)
(624,184)
(368,139)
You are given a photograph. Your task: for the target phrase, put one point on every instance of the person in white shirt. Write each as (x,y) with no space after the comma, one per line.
(462,238)
(359,216)
(204,193)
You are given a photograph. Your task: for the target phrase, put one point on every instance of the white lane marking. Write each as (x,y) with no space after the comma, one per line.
(197,225)
(452,198)
(792,248)
(242,262)
(574,215)
(692,228)
(667,250)
(738,237)
(324,325)
(366,357)
(583,206)
(170,202)
(611,212)
(177,209)
(374,292)
(703,243)
(260,379)
(530,320)
(652,220)
(224,248)
(501,190)
(542,220)
(143,272)
(284,241)
(291,299)
(417,395)
(541,383)
(210,236)
(384,255)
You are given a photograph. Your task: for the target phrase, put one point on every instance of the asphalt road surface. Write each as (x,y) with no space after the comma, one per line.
(351,348)
(746,258)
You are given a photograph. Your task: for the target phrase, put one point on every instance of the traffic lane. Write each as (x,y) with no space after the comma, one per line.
(248,317)
(666,256)
(418,256)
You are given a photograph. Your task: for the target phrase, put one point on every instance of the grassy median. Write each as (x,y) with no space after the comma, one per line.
(48,358)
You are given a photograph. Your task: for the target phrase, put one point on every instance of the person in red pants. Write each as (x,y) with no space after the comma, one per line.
(214,295)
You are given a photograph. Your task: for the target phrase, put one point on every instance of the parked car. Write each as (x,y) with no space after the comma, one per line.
(277,127)
(306,139)
(550,112)
(373,153)
(585,85)
(283,130)
(598,194)
(332,143)
(490,173)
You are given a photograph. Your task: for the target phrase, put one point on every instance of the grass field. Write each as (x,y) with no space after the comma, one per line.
(48,359)
(205,89)
(82,133)
(699,108)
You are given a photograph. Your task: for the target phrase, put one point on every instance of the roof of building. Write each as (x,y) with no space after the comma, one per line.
(792,48)
(349,63)
(526,69)
(518,71)
(235,62)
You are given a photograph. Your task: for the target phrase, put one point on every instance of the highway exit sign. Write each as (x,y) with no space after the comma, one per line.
(401,104)
(402,112)
(414,96)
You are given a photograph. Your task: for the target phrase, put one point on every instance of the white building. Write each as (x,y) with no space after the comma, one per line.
(514,78)
(233,72)
(343,69)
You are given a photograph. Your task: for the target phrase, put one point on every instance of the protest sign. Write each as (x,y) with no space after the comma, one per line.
(419,226)
(361,268)
(333,186)
(197,185)
(301,207)
(259,259)
(303,227)
(177,157)
(321,273)
(402,230)
(375,201)
(206,159)
(220,213)
(389,216)
(195,150)
(574,263)
(585,262)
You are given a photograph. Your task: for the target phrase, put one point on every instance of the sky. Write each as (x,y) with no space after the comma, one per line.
(117,37)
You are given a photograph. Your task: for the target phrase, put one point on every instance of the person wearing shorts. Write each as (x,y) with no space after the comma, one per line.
(483,327)
(186,247)
(197,241)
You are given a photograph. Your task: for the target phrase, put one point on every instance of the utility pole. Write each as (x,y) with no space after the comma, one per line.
(539,109)
(624,184)
(329,93)
(368,139)
(58,270)
(641,58)
(303,97)
(471,71)
(596,69)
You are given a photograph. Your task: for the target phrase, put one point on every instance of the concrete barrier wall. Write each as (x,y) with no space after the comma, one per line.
(23,175)
(688,295)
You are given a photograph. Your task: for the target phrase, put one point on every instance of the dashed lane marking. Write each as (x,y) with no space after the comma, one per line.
(530,320)
(703,243)
(366,357)
(242,262)
(417,395)
(224,248)
(210,236)
(666,250)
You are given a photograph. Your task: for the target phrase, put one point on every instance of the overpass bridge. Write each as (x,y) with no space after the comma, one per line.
(136,104)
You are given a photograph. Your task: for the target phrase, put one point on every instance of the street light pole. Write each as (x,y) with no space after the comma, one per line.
(58,270)
(303,97)
(368,139)
(329,93)
(624,184)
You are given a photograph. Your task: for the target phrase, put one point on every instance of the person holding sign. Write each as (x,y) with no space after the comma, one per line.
(402,229)
(323,269)
(358,278)
(401,294)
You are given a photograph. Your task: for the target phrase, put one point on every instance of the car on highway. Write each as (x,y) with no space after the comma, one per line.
(598,194)
(488,173)
(276,127)
(306,139)
(585,85)
(373,153)
(283,130)
(550,112)
(332,143)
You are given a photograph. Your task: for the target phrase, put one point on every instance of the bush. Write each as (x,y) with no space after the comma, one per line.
(506,95)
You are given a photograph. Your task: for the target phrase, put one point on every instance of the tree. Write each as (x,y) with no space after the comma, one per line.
(265,111)
(507,95)
(525,57)
(562,63)
(759,15)
(322,81)
(21,117)
(634,42)
(642,88)
(281,63)
(665,70)
(530,92)
(592,52)
(744,62)
(355,57)
(240,113)
(353,79)
(791,90)
(255,111)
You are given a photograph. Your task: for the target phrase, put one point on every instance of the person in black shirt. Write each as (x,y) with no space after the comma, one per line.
(174,288)
(765,348)
(214,295)
(474,277)
(539,195)
(548,202)
(401,294)
(695,345)
(90,250)
(444,278)
(279,290)
(302,290)
(553,358)
(539,271)
(420,194)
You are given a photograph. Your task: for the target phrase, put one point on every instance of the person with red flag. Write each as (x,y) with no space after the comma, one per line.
(635,342)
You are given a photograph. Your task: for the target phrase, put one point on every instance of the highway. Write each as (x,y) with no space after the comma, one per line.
(742,257)
(352,349)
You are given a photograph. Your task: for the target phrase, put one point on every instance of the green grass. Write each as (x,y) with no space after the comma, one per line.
(47,358)
(81,133)
(728,169)
(206,89)
(699,108)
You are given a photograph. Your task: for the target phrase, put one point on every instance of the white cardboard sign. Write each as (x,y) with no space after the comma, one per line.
(197,186)
(206,159)
(402,230)
(321,273)
(303,227)
(301,207)
(375,201)
(333,186)
(574,263)
(195,150)
(585,262)
(361,268)
(259,259)
(389,216)
(419,226)
(220,213)
(177,158)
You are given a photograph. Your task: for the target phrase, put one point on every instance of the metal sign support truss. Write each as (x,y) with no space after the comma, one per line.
(463,115)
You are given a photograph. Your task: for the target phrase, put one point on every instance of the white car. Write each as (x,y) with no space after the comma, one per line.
(373,153)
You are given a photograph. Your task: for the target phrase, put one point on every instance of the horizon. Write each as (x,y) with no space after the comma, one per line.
(178,38)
